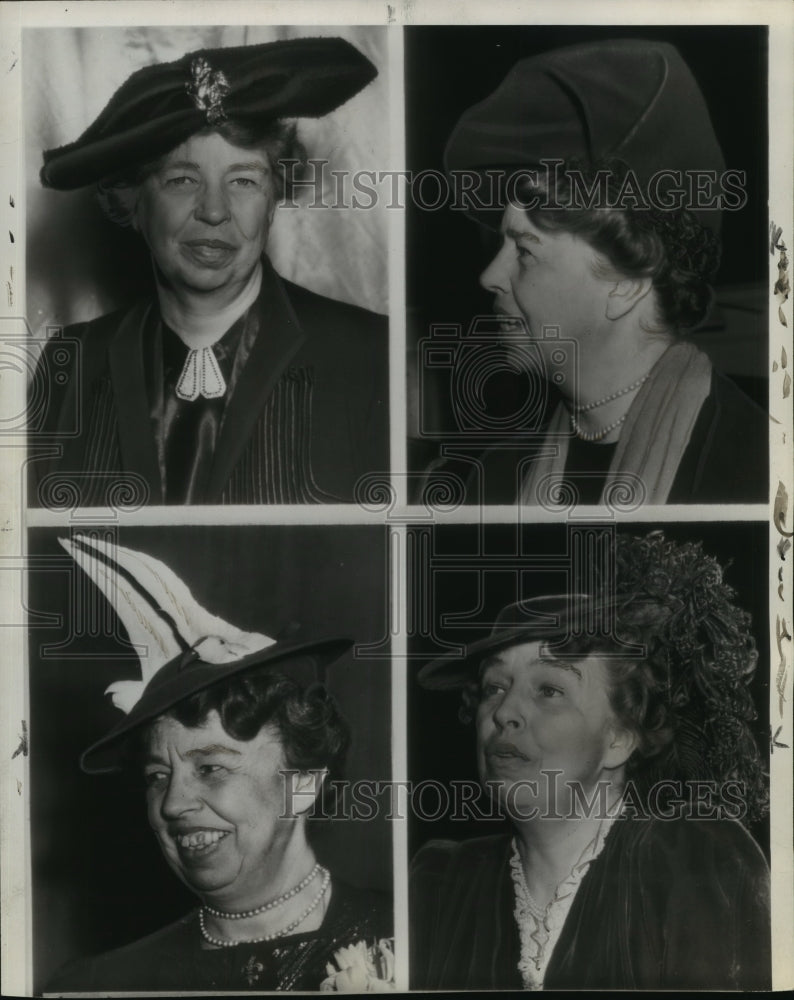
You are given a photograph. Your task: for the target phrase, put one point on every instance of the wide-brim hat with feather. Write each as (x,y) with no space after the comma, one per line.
(185,649)
(161,106)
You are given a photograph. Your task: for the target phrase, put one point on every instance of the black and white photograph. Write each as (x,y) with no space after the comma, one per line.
(596,814)
(215,322)
(587,262)
(396,497)
(198,703)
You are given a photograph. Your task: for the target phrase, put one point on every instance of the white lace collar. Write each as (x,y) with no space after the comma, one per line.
(539,929)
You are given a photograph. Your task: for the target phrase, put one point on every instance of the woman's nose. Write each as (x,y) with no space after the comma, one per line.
(495,278)
(212,205)
(509,714)
(179,798)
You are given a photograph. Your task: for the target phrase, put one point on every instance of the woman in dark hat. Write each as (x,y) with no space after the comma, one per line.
(231,385)
(611,183)
(612,728)
(235,738)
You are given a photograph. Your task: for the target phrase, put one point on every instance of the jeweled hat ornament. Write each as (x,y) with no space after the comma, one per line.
(160,106)
(186,648)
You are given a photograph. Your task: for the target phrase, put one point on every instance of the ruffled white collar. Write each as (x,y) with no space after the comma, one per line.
(539,929)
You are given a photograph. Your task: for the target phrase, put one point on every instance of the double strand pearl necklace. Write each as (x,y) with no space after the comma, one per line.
(242,914)
(584,407)
(225,943)
(595,435)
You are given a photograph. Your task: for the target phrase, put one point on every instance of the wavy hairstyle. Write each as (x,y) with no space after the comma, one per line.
(118,194)
(678,254)
(687,699)
(313,732)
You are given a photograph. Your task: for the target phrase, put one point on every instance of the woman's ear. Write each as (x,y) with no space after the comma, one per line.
(625,295)
(301,791)
(622,744)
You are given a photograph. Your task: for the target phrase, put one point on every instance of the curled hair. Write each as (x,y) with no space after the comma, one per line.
(313,733)
(686,700)
(680,256)
(117,195)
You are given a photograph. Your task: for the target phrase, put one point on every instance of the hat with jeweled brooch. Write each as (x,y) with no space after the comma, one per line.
(160,106)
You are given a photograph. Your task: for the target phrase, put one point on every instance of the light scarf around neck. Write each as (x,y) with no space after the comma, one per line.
(653,438)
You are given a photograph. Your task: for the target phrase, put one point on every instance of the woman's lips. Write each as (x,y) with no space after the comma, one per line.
(196,845)
(502,750)
(209,253)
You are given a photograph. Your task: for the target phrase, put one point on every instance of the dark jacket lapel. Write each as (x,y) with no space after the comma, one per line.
(278,341)
(136,440)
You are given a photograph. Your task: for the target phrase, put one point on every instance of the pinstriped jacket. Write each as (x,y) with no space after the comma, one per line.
(307,415)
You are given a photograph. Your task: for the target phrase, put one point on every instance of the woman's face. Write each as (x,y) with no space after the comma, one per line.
(214,803)
(205,214)
(538,715)
(547,278)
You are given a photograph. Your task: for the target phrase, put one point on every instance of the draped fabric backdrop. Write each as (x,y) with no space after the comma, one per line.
(80,266)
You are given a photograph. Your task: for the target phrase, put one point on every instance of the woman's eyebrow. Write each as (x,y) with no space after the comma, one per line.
(180,165)
(255,165)
(562,665)
(212,748)
(522,234)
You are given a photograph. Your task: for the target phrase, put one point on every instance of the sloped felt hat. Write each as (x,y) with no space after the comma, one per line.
(558,617)
(185,648)
(629,99)
(162,105)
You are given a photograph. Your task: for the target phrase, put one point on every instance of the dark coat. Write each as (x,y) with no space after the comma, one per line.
(725,461)
(308,415)
(681,904)
(173,959)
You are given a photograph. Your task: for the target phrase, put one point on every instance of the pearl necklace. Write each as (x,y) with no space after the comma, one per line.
(595,435)
(224,943)
(614,395)
(242,914)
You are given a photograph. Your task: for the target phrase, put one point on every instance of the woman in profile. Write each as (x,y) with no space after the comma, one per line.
(611,183)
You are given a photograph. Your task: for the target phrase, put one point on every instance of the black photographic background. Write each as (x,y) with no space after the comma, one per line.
(99,880)
(441,748)
(450,68)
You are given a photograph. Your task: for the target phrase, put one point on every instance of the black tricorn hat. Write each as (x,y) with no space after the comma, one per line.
(185,648)
(162,105)
(565,618)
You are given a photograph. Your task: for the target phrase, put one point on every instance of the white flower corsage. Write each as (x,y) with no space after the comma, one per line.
(361,969)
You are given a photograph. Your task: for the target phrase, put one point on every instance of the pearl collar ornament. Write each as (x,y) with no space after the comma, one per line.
(201,376)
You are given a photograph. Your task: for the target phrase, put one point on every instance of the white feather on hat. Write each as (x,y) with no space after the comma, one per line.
(141,611)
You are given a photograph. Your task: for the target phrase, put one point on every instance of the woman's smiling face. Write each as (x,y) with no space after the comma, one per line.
(548,278)
(217,806)
(205,214)
(538,715)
